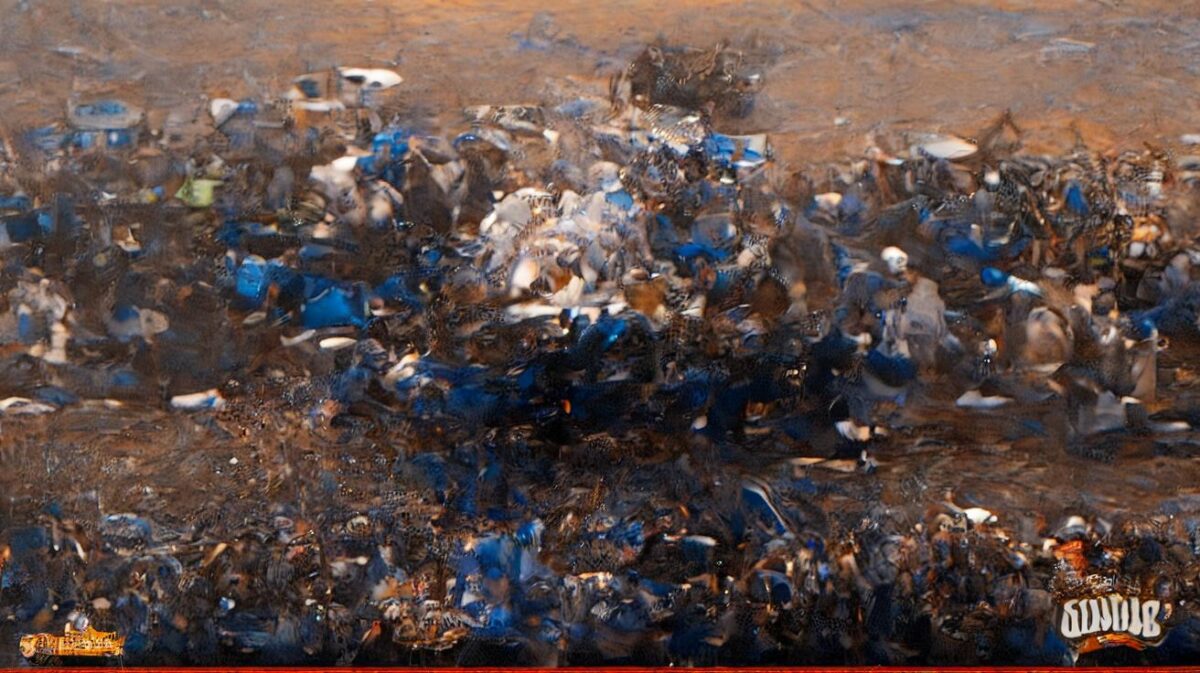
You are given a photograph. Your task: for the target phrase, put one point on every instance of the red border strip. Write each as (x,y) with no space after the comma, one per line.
(607,669)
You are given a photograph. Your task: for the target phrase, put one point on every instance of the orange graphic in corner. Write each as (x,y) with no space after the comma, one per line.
(45,648)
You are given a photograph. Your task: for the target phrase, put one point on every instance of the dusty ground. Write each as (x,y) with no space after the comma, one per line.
(1124,72)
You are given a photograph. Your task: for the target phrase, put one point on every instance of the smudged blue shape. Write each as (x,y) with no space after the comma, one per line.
(832,352)
(1076,201)
(690,639)
(1012,250)
(430,257)
(466,499)
(527,379)
(141,527)
(796,427)
(783,216)
(696,550)
(85,139)
(844,262)
(19,202)
(727,150)
(549,631)
(252,283)
(330,305)
(473,403)
(1144,327)
(309,88)
(1057,649)
(693,251)
(366,164)
(26,328)
(806,486)
(720,148)
(758,501)
(620,198)
(1026,428)
(23,540)
(823,571)
(348,386)
(851,205)
(103,108)
(466,138)
(47,139)
(492,473)
(314,251)
(492,552)
(993,277)
(1176,316)
(529,534)
(501,618)
(24,227)
(628,533)
(125,378)
(396,289)
(961,245)
(388,148)
(123,312)
(612,330)
(230,234)
(432,468)
(654,587)
(892,370)
(467,564)
(692,394)
(118,138)
(55,395)
(498,513)
(776,585)
(626,617)
(519,498)
(597,338)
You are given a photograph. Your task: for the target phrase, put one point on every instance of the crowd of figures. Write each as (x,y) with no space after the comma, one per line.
(585,382)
